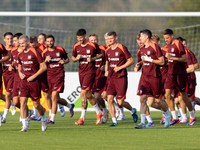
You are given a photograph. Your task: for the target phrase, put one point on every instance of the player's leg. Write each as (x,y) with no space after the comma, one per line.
(182,110)
(149,119)
(41,111)
(47,96)
(55,98)
(8,97)
(84,107)
(92,101)
(23,113)
(111,109)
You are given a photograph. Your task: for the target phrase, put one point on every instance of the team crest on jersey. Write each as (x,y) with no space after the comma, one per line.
(29,56)
(148,52)
(116,53)
(58,54)
(172,50)
(87,51)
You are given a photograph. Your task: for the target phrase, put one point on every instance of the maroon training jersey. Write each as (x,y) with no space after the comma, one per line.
(3,52)
(8,63)
(90,50)
(53,66)
(99,63)
(30,61)
(176,50)
(164,68)
(149,68)
(194,60)
(117,57)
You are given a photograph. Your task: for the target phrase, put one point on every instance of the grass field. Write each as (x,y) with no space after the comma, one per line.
(64,134)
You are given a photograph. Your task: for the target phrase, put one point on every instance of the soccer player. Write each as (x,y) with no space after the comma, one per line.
(45,88)
(100,79)
(8,77)
(85,52)
(119,111)
(176,75)
(42,39)
(118,59)
(55,58)
(151,57)
(31,66)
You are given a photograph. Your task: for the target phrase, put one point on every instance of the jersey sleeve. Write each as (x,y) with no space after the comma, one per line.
(189,59)
(138,56)
(19,61)
(74,52)
(127,54)
(39,57)
(4,52)
(181,49)
(65,54)
(158,52)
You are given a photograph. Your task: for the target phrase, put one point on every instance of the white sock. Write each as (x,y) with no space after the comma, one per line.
(43,117)
(53,117)
(83,114)
(179,112)
(167,113)
(174,115)
(24,123)
(35,112)
(5,113)
(132,111)
(192,114)
(69,105)
(97,109)
(184,116)
(143,118)
(114,120)
(49,112)
(149,119)
(116,105)
(121,111)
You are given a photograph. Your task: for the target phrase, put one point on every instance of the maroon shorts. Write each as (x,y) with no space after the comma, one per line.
(16,88)
(8,81)
(191,88)
(178,81)
(30,89)
(150,85)
(118,87)
(87,81)
(56,84)
(44,82)
(163,83)
(99,85)
(176,93)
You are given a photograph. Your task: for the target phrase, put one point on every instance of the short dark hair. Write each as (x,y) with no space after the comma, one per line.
(147,32)
(8,33)
(185,40)
(17,35)
(50,36)
(33,39)
(93,34)
(81,32)
(168,31)
(179,38)
(112,33)
(43,35)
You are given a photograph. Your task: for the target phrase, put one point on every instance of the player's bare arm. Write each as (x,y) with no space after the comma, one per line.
(106,68)
(196,66)
(75,59)
(137,66)
(6,58)
(182,59)
(21,75)
(90,59)
(190,68)
(11,67)
(43,68)
(64,61)
(128,63)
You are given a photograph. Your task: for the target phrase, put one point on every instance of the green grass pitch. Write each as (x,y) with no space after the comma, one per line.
(64,134)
